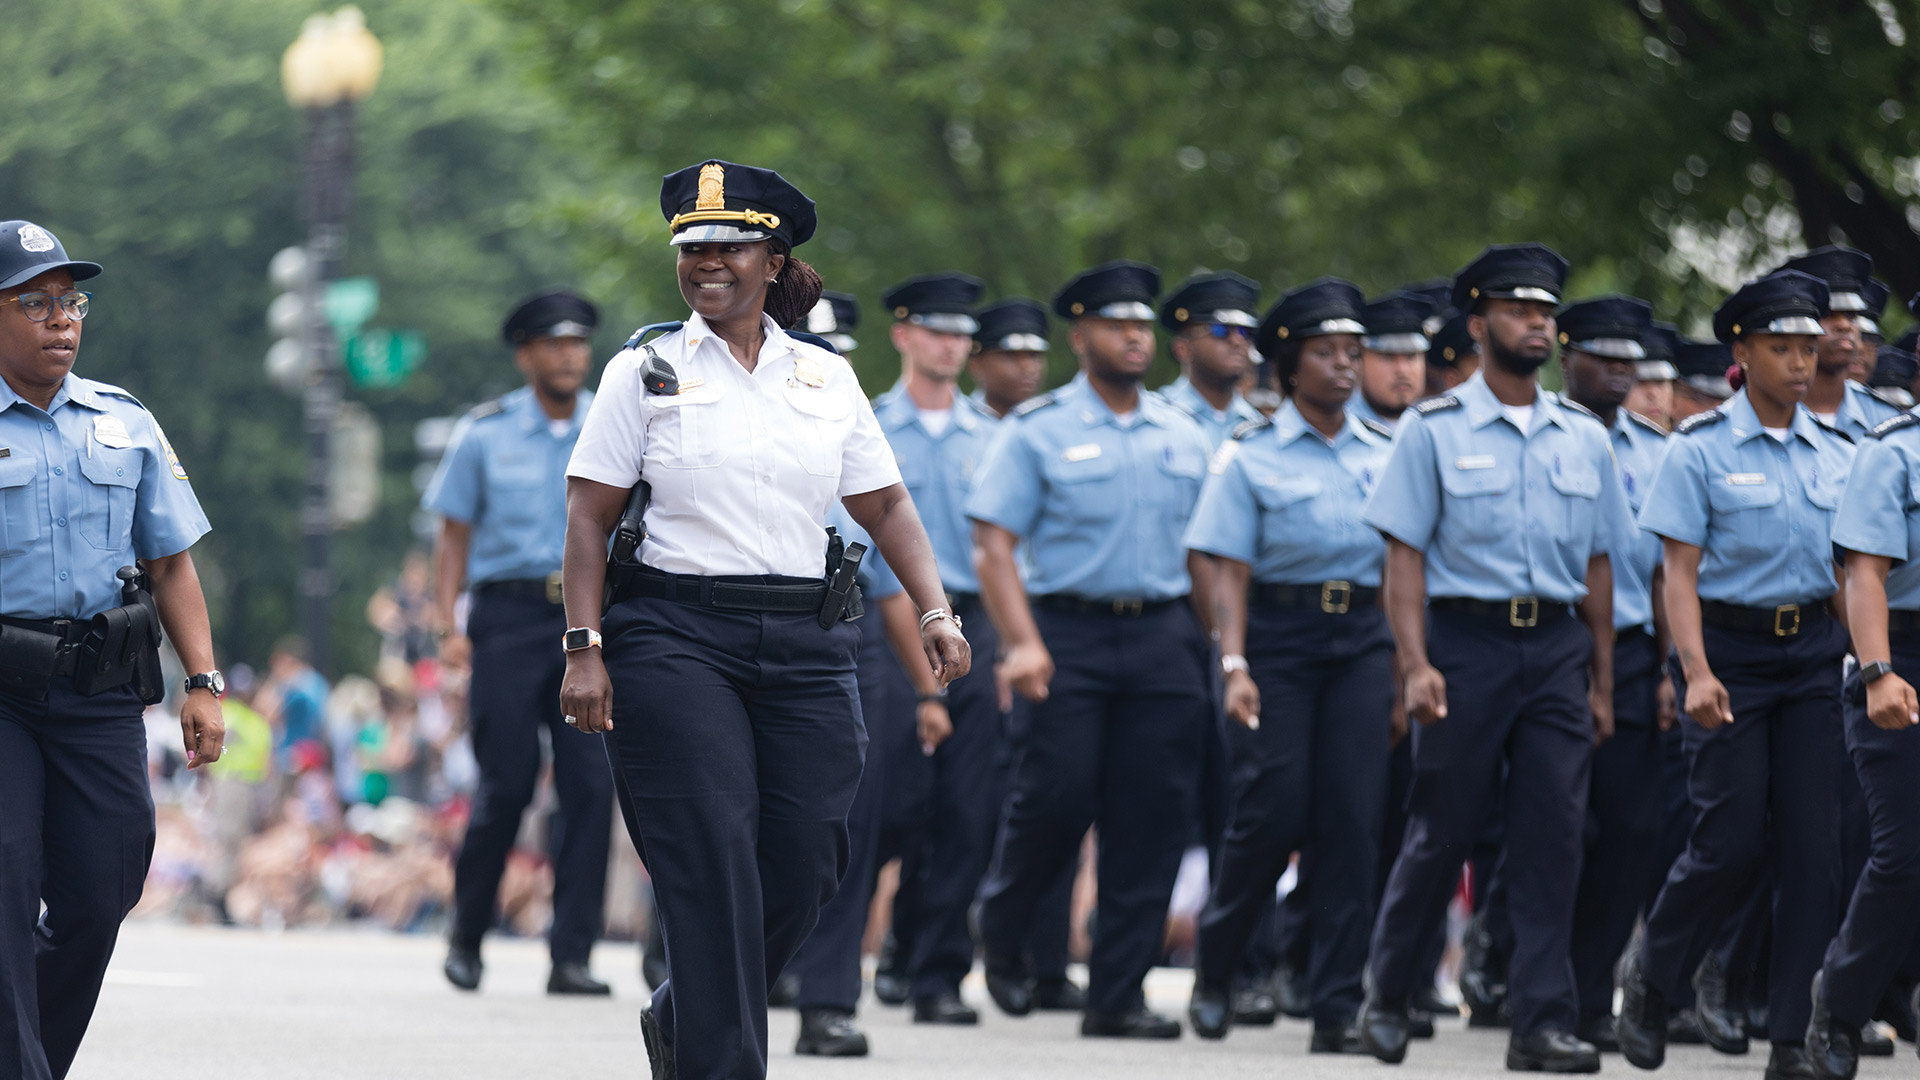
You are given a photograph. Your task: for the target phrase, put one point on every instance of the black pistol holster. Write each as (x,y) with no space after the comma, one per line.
(843,600)
(623,554)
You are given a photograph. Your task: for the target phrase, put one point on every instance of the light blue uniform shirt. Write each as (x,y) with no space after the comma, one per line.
(1861,410)
(877,581)
(1501,514)
(1282,500)
(1880,510)
(938,471)
(505,476)
(1357,406)
(1638,446)
(1216,423)
(87,487)
(1101,500)
(1760,511)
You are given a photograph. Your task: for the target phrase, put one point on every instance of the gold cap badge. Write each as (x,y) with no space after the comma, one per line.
(1078,308)
(713,187)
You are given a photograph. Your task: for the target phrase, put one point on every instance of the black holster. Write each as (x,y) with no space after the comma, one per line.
(122,644)
(623,550)
(843,600)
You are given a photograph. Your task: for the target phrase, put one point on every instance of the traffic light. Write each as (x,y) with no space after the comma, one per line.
(292,318)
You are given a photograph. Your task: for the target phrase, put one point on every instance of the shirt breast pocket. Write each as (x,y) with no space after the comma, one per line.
(1743,518)
(1286,503)
(1088,489)
(19,515)
(1472,499)
(686,431)
(821,427)
(1580,491)
(113,483)
(1183,468)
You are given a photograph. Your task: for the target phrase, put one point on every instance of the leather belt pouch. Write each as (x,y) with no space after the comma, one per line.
(107,657)
(27,659)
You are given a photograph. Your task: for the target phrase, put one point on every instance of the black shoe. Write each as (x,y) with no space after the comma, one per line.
(1059,994)
(1874,1042)
(1683,1029)
(1141,1023)
(1483,979)
(1758,1017)
(1009,985)
(1789,1062)
(785,991)
(892,987)
(1420,1024)
(1895,1009)
(463,967)
(1833,1048)
(1210,1010)
(1641,1029)
(1552,1051)
(1722,1025)
(576,979)
(659,1050)
(944,1008)
(1597,1028)
(1343,1040)
(1290,992)
(829,1033)
(1255,1007)
(1382,1026)
(1431,1001)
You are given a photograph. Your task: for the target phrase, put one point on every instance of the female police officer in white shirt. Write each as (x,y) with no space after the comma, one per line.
(736,736)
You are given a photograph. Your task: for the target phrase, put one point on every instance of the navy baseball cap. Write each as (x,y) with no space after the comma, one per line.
(27,251)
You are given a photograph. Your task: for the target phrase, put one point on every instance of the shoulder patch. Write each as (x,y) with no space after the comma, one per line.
(487,408)
(1699,420)
(1432,405)
(1375,426)
(1573,406)
(1033,404)
(1892,424)
(651,330)
(1247,427)
(1645,422)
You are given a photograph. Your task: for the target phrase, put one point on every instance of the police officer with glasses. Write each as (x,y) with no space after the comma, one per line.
(1210,322)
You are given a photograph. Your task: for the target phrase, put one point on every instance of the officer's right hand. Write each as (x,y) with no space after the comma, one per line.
(586,694)
(1243,700)
(933,724)
(1891,703)
(1426,694)
(1707,702)
(1029,667)
(456,651)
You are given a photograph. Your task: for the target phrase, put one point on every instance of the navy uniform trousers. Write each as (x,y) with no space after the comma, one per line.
(517,667)
(76,831)
(1624,803)
(1315,772)
(1773,772)
(1516,696)
(737,746)
(1116,743)
(1880,927)
(828,965)
(1051,928)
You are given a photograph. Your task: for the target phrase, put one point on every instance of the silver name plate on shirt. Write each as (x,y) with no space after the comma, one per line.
(1474,461)
(1747,479)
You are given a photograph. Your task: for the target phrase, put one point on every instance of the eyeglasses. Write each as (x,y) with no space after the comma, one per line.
(37,306)
(1223,331)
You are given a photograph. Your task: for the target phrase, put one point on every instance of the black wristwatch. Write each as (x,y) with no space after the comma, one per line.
(208,680)
(1875,671)
(939,695)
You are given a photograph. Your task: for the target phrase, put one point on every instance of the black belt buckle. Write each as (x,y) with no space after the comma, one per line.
(1130,607)
(1780,629)
(1528,604)
(1336,597)
(555,595)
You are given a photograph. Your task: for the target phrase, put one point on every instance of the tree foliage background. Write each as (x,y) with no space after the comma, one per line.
(1667,147)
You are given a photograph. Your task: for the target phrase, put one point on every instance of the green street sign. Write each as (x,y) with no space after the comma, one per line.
(349,303)
(381,359)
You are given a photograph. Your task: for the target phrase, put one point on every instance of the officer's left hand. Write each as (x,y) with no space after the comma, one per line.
(947,650)
(1243,700)
(202,729)
(1601,702)
(1667,704)
(934,724)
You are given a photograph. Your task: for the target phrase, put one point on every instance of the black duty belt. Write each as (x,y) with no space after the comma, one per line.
(71,632)
(769,593)
(1520,612)
(1783,621)
(545,589)
(1332,597)
(963,599)
(1904,623)
(1124,607)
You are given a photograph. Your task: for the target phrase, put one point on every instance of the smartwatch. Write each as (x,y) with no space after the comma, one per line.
(208,680)
(1875,671)
(578,638)
(1231,663)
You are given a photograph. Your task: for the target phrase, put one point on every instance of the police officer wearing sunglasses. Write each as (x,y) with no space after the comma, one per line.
(96,516)
(1210,318)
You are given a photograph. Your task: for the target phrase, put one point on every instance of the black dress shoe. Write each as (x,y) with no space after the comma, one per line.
(1341,1040)
(892,987)
(1641,1029)
(1382,1026)
(1431,1001)
(1722,1024)
(659,1048)
(576,979)
(1420,1024)
(1138,1024)
(1059,994)
(1683,1029)
(1210,1010)
(1758,1021)
(1483,979)
(1009,984)
(1291,994)
(1552,1051)
(1833,1048)
(1789,1062)
(1255,1007)
(944,1008)
(1874,1042)
(829,1033)
(1597,1028)
(463,967)
(784,991)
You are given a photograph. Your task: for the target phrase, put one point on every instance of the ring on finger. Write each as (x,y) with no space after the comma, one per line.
(572,721)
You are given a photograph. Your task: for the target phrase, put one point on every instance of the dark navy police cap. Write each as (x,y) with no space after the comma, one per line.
(1397,323)
(1661,343)
(1511,272)
(1611,327)
(831,318)
(554,313)
(1451,343)
(1909,339)
(1439,292)
(1327,305)
(1121,289)
(1874,296)
(1703,366)
(1225,297)
(1894,367)
(27,251)
(1015,324)
(1845,270)
(718,201)
(940,302)
(1783,302)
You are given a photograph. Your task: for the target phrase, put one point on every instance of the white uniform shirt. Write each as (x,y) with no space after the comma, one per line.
(744,465)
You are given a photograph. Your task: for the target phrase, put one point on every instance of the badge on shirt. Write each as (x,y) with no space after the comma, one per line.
(807,371)
(1083,452)
(1474,461)
(111,431)
(1746,479)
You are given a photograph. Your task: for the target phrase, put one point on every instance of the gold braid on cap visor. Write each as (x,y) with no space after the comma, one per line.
(748,217)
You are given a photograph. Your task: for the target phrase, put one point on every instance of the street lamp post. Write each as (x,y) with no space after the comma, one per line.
(333,66)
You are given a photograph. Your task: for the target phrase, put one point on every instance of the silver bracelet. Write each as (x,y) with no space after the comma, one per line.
(940,613)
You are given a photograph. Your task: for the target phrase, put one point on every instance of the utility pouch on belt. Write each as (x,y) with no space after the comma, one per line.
(623,555)
(123,644)
(842,602)
(27,659)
